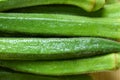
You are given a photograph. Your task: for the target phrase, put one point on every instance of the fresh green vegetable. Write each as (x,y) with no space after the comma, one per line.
(108,11)
(88,5)
(65,67)
(11,75)
(112,10)
(59,25)
(55,48)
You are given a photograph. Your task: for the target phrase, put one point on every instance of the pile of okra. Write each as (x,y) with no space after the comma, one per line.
(58,39)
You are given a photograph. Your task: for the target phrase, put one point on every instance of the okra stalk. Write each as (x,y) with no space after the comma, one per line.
(66,67)
(59,25)
(88,5)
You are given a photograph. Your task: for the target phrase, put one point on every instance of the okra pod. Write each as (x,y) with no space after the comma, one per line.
(59,25)
(55,48)
(88,5)
(108,11)
(66,67)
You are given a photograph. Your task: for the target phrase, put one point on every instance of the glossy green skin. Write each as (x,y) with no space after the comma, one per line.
(11,75)
(65,67)
(59,25)
(55,48)
(88,5)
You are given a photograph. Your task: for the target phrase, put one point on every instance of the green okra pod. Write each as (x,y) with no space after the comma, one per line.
(66,67)
(108,11)
(59,25)
(12,75)
(88,5)
(55,48)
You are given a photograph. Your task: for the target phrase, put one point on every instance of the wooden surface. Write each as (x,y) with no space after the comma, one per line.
(113,75)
